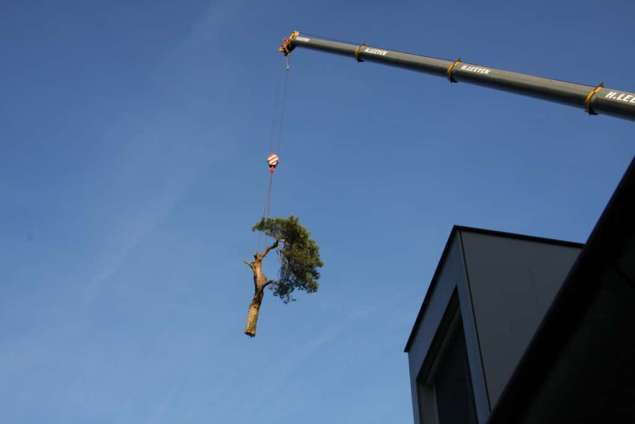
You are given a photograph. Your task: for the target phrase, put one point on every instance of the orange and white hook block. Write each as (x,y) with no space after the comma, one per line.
(272,161)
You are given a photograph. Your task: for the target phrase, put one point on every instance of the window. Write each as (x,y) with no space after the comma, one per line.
(445,386)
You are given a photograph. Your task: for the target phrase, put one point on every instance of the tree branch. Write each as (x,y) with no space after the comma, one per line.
(269,249)
(248,264)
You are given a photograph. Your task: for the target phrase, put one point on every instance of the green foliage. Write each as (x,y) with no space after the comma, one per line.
(299,256)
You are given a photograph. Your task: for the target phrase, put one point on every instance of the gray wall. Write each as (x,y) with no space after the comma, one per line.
(512,284)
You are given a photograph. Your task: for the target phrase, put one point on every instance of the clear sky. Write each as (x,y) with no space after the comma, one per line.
(133,136)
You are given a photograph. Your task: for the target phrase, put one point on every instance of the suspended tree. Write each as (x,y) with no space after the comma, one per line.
(299,260)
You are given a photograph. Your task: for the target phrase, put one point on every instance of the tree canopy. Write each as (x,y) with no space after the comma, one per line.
(299,256)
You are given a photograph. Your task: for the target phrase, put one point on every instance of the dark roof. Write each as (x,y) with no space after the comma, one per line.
(460,228)
(570,323)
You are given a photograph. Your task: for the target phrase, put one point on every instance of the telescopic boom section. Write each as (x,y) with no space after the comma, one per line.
(594,99)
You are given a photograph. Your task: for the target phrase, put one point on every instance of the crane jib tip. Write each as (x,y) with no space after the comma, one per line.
(287,45)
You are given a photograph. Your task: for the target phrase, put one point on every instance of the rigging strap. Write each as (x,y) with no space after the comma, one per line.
(267,209)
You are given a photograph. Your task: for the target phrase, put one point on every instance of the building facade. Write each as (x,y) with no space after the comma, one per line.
(485,301)
(521,329)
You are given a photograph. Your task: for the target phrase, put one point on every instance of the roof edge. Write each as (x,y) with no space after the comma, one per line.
(517,236)
(466,229)
(433,280)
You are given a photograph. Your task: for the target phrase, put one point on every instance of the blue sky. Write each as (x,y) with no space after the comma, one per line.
(133,136)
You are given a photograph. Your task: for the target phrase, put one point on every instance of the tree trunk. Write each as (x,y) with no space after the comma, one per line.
(260,282)
(252,314)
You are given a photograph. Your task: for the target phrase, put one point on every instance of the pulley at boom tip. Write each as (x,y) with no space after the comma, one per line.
(287,45)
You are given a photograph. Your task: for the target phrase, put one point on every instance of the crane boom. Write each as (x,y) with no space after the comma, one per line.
(594,99)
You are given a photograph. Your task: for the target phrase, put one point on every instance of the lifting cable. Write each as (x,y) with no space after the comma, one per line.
(276,135)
